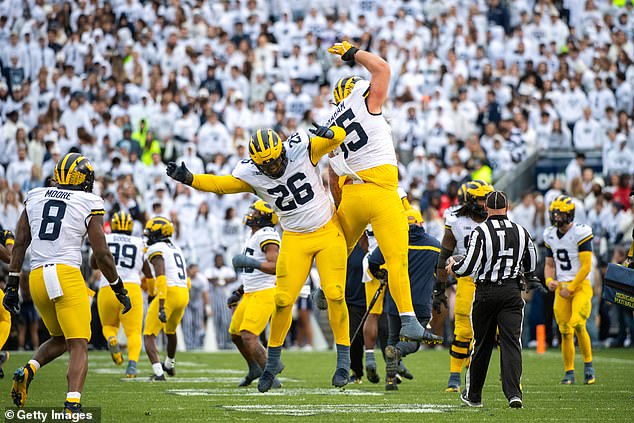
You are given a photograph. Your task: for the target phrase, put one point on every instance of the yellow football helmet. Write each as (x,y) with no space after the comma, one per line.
(414,217)
(268,153)
(74,171)
(462,194)
(260,214)
(158,229)
(121,222)
(344,87)
(477,190)
(562,211)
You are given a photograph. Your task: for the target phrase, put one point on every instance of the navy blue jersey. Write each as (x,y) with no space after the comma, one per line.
(423,255)
(355,292)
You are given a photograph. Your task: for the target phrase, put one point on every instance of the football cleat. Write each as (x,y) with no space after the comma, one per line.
(569,378)
(22,378)
(249,378)
(404,372)
(411,329)
(372,374)
(341,377)
(130,371)
(392,357)
(115,350)
(516,402)
(391,384)
(588,376)
(453,385)
(171,371)
(72,407)
(156,378)
(467,401)
(4,357)
(268,377)
(354,378)
(276,384)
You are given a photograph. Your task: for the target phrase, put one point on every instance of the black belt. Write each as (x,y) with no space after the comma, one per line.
(502,282)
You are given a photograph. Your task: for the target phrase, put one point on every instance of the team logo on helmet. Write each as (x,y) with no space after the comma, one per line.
(562,211)
(158,229)
(74,171)
(260,214)
(121,222)
(344,87)
(268,153)
(477,190)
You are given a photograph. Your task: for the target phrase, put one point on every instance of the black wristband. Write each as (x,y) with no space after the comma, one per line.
(348,56)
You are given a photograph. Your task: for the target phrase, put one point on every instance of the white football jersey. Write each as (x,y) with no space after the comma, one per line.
(298,196)
(368,141)
(565,250)
(127,252)
(461,227)
(254,279)
(58,219)
(175,266)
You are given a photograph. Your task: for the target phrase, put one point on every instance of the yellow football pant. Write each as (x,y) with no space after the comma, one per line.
(253,312)
(176,301)
(369,203)
(463,332)
(370,290)
(5,322)
(571,314)
(69,315)
(110,314)
(328,247)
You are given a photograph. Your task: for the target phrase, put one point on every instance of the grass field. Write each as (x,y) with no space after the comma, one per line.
(204,389)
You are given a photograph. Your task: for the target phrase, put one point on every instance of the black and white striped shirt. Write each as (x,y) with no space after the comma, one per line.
(498,250)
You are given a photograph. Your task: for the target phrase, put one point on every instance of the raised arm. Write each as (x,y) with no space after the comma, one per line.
(225,184)
(324,141)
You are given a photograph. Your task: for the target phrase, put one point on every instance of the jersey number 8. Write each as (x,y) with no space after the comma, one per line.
(48,218)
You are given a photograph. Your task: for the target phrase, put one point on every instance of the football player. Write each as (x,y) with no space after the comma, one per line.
(127,251)
(256,295)
(567,269)
(285,175)
(458,226)
(7,239)
(168,268)
(368,175)
(54,222)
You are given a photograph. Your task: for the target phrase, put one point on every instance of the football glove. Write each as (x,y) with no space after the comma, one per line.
(162,316)
(344,49)
(180,173)
(11,299)
(322,131)
(319,298)
(242,261)
(377,272)
(533,282)
(439,297)
(122,295)
(5,236)
(235,297)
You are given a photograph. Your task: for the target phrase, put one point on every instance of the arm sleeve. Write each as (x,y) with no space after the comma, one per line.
(320,146)
(469,264)
(585,257)
(226,184)
(549,251)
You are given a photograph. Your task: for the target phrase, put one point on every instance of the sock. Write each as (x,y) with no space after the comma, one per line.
(274,357)
(169,363)
(408,313)
(35,366)
(454,376)
(585,344)
(131,363)
(369,357)
(587,365)
(73,396)
(568,351)
(343,356)
(254,368)
(158,369)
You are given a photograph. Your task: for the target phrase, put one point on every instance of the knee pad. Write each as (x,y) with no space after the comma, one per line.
(283,299)
(460,349)
(333,292)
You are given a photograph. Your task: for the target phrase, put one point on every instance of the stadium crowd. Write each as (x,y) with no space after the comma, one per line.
(477,88)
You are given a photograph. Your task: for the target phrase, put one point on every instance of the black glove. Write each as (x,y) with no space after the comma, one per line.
(322,131)
(180,173)
(377,272)
(319,299)
(235,297)
(162,315)
(242,261)
(439,297)
(6,235)
(11,299)
(533,282)
(122,295)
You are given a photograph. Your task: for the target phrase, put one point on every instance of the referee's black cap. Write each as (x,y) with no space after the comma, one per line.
(497,200)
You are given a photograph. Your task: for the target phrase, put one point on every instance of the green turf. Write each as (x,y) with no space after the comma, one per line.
(206,384)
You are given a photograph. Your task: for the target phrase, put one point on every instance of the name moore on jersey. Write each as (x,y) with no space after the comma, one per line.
(565,249)
(254,279)
(58,220)
(298,196)
(127,251)
(175,265)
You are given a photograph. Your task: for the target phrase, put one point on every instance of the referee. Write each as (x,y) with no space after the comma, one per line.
(499,252)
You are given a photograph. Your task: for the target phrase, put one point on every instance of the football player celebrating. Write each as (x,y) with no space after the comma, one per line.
(368,176)
(54,222)
(458,226)
(256,296)
(7,240)
(567,268)
(127,251)
(165,312)
(285,175)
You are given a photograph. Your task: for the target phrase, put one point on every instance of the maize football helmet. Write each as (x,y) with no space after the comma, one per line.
(562,211)
(121,222)
(462,195)
(158,229)
(477,190)
(268,153)
(260,214)
(74,172)
(344,87)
